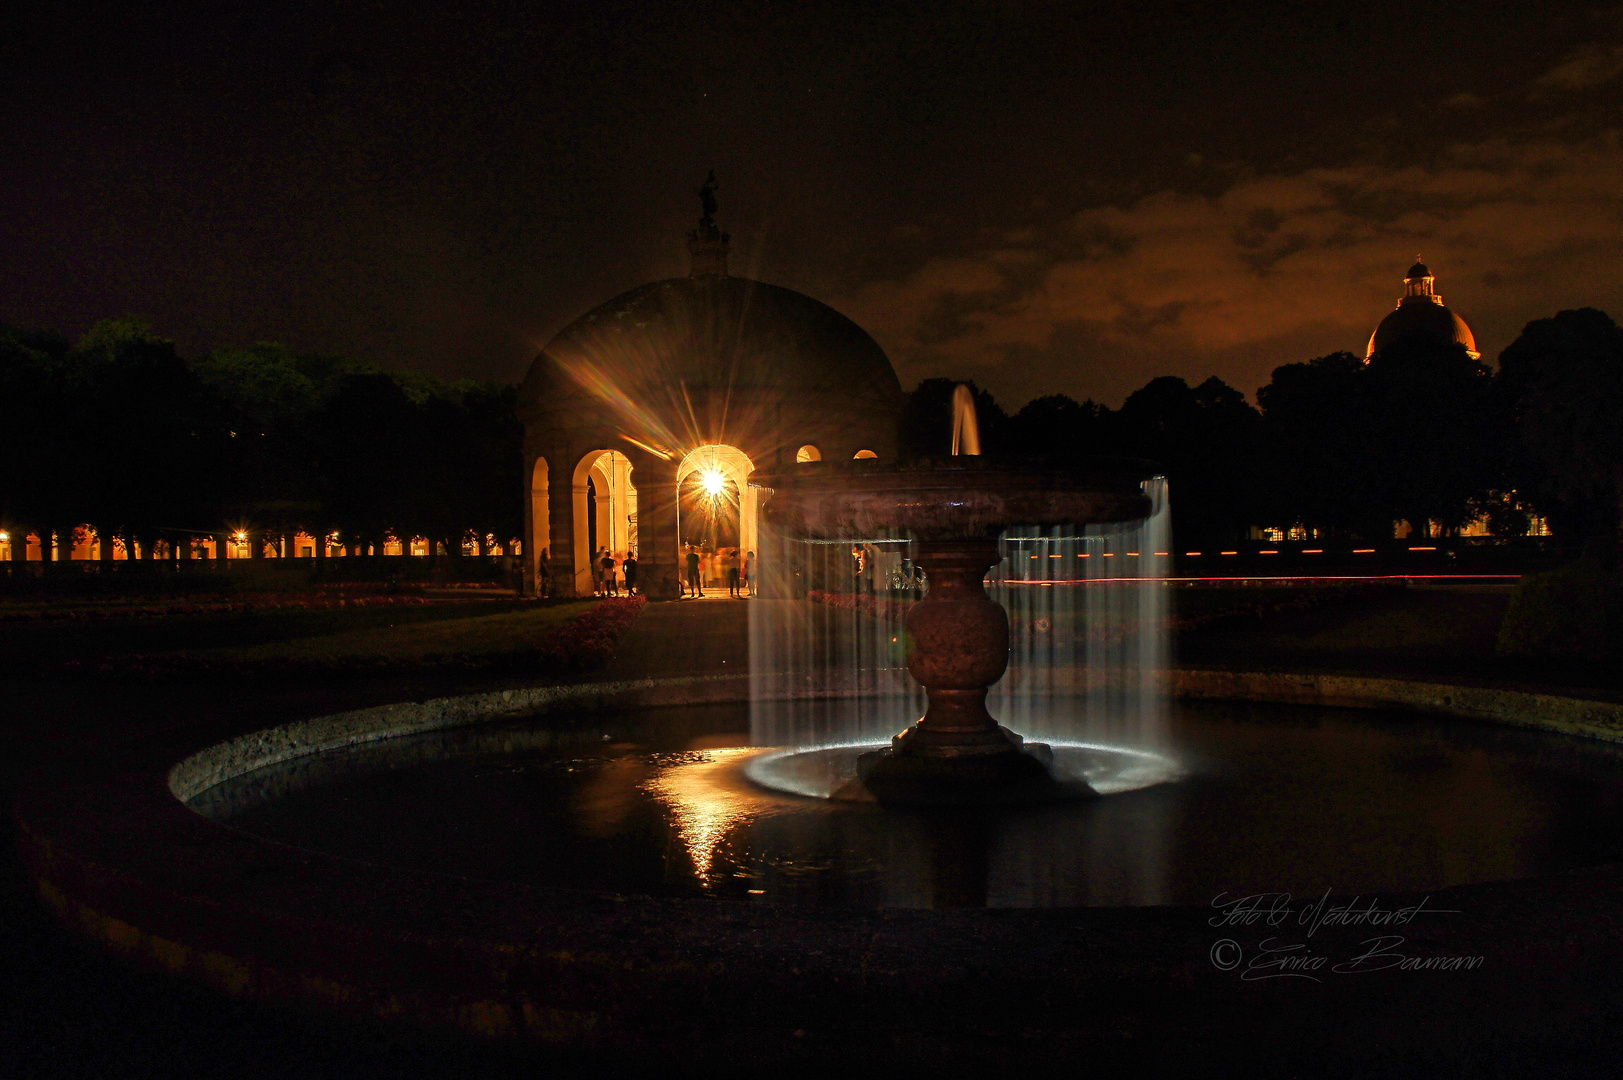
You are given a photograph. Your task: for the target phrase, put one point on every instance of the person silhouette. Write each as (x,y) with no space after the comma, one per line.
(693,571)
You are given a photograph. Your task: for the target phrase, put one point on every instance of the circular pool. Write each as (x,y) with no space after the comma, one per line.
(659,802)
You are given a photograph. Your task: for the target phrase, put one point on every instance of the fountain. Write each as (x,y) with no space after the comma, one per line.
(957,637)
(519,863)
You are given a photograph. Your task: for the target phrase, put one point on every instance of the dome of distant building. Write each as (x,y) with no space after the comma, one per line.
(1421,314)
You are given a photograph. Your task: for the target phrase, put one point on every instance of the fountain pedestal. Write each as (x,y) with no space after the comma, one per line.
(958,646)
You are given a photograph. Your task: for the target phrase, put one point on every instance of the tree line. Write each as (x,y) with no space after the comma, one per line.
(1420,433)
(119,432)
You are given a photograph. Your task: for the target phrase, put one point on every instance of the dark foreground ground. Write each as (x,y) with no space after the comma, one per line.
(68,1009)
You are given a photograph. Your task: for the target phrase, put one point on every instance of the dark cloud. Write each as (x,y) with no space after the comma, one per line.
(1051,198)
(1277,268)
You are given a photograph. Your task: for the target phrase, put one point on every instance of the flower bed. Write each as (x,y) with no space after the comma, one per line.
(248,603)
(882,607)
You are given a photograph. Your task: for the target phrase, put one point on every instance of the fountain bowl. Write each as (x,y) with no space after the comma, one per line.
(947,498)
(958,636)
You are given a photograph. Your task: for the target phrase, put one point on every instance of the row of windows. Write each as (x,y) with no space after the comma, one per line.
(811,453)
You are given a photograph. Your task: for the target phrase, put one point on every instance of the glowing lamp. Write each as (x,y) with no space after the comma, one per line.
(713,482)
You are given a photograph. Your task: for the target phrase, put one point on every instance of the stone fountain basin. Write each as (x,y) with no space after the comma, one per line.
(119,857)
(949,498)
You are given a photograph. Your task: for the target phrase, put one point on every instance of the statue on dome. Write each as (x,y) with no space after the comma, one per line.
(707,199)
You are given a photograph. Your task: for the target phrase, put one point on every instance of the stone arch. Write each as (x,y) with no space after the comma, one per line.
(807,453)
(611,522)
(734,467)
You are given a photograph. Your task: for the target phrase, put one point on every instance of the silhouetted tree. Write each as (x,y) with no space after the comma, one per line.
(1208,440)
(1560,389)
(270,463)
(36,491)
(368,457)
(146,435)
(1434,446)
(1318,429)
(1063,430)
(494,461)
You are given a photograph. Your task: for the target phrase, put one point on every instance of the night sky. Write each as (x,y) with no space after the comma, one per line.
(1068,198)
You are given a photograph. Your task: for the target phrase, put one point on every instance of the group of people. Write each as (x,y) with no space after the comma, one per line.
(737,569)
(607,582)
(736,566)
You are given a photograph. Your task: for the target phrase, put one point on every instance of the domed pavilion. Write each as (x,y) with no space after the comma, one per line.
(1421,314)
(644,418)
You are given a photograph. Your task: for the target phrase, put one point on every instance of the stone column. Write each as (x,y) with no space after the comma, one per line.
(658,561)
(534,538)
(558,546)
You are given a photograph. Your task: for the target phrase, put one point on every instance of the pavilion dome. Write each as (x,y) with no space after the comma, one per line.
(1421,314)
(716,333)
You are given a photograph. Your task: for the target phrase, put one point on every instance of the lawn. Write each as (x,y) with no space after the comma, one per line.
(386,630)
(475,636)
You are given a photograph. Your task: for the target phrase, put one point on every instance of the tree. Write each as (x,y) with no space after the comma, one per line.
(36,493)
(1208,441)
(1063,430)
(1434,443)
(269,465)
(1560,391)
(367,456)
(1318,430)
(146,435)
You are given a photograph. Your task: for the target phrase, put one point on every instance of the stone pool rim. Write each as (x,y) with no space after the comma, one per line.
(119,858)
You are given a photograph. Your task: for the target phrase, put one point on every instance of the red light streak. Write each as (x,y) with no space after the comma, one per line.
(1285,577)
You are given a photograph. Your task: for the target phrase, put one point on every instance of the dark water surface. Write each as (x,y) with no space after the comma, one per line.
(1276,799)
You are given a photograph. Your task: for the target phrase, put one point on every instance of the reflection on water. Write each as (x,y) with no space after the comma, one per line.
(1276,799)
(704,807)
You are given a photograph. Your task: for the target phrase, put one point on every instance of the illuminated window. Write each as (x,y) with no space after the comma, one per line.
(860,454)
(808,453)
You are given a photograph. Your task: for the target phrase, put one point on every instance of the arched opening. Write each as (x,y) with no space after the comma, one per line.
(715,507)
(808,453)
(540,537)
(605,513)
(862,454)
